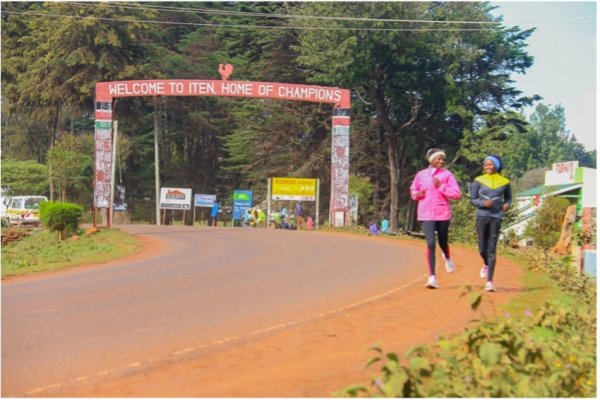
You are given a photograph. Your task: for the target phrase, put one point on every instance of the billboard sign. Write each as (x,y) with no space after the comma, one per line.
(204,200)
(242,201)
(561,173)
(175,198)
(300,189)
(105,91)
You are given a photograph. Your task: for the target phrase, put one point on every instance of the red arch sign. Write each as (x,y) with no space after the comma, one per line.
(339,98)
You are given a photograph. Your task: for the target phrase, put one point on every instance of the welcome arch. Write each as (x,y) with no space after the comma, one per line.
(106,92)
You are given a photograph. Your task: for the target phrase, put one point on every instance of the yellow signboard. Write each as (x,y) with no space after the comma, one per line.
(301,189)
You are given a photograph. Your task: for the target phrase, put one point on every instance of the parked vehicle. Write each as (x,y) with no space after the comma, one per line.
(24,210)
(3,209)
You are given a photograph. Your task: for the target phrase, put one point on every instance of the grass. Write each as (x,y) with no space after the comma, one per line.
(539,288)
(43,252)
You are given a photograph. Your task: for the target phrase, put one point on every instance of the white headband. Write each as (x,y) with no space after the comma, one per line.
(436,154)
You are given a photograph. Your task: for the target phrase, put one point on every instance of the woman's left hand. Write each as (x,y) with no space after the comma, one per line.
(505,207)
(436,182)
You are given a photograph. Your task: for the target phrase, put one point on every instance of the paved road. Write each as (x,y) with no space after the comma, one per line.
(208,285)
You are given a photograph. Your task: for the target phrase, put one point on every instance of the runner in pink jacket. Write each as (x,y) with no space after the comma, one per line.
(432,188)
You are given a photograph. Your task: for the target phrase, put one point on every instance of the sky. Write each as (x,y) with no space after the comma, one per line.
(564,51)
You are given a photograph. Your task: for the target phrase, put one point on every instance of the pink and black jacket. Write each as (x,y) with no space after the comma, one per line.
(434,205)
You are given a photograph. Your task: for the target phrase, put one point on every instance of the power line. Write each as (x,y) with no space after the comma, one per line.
(300,16)
(250,26)
(297,16)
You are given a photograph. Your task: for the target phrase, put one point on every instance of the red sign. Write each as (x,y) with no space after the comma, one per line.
(106,91)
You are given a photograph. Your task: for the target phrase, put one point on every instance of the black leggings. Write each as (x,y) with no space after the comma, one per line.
(430,227)
(488,231)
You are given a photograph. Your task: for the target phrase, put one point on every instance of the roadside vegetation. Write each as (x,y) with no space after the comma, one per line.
(534,351)
(43,251)
(541,344)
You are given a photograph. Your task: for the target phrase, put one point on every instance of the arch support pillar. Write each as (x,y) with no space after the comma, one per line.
(340,166)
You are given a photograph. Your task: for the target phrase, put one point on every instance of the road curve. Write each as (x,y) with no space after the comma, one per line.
(208,285)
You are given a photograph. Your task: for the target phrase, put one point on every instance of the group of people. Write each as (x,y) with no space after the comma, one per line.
(281,219)
(255,217)
(490,193)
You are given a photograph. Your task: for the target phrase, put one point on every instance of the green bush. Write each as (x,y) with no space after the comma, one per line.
(546,353)
(60,217)
(580,286)
(546,225)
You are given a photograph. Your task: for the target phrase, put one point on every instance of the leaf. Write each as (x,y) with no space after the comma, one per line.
(474,300)
(445,345)
(352,391)
(376,347)
(395,384)
(490,353)
(464,290)
(419,364)
(372,361)
(392,357)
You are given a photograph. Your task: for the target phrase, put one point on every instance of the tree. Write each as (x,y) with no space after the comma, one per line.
(551,140)
(424,89)
(24,178)
(546,225)
(362,188)
(65,163)
(53,54)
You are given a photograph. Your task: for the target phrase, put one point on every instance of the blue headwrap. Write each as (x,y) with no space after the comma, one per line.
(496,160)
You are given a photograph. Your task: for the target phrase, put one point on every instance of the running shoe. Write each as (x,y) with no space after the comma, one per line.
(483,274)
(432,282)
(449,263)
(489,287)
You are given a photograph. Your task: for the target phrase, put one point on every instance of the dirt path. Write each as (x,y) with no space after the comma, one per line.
(313,358)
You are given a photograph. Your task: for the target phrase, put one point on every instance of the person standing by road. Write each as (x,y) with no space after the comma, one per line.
(214,214)
(433,187)
(299,213)
(491,194)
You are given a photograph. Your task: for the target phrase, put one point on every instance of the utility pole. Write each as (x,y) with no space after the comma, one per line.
(156,161)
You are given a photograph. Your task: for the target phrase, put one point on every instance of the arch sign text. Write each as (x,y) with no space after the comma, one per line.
(106,92)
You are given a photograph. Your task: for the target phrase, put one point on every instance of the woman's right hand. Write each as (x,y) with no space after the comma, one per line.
(487,203)
(421,194)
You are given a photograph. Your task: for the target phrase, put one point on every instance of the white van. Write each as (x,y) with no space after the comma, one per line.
(24,210)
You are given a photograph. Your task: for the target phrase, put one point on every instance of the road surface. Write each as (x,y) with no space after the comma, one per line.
(205,287)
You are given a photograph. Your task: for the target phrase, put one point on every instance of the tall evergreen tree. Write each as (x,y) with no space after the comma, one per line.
(424,87)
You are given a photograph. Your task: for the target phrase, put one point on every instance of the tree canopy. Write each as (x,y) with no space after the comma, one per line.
(416,84)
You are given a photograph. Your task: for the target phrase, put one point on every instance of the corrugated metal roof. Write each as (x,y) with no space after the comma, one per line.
(539,190)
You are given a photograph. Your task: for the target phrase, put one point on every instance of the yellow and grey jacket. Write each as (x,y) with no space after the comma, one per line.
(493,187)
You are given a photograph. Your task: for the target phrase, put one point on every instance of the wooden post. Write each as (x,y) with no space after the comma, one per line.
(317,210)
(268,201)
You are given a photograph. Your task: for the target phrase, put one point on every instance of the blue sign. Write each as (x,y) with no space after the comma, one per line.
(204,200)
(242,201)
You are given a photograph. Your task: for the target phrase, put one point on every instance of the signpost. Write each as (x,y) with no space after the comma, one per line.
(175,199)
(242,201)
(203,200)
(562,173)
(299,189)
(295,189)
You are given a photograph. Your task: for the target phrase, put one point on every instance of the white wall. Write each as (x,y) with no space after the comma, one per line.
(588,198)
